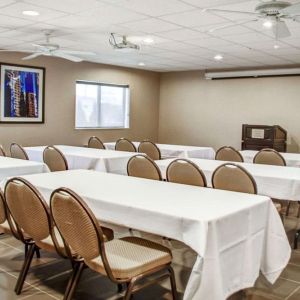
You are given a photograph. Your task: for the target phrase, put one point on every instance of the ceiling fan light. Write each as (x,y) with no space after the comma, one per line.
(276,46)
(148,40)
(218,57)
(268,23)
(31,13)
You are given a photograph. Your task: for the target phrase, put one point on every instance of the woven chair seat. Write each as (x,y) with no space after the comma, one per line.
(131,256)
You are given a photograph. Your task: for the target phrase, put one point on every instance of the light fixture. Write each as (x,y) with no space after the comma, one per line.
(141,64)
(276,46)
(148,40)
(218,57)
(268,23)
(31,13)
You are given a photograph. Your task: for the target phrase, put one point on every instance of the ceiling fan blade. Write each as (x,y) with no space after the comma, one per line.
(281,30)
(32,56)
(230,25)
(66,56)
(77,52)
(291,10)
(230,11)
(42,47)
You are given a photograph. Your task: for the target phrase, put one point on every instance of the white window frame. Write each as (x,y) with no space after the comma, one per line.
(100,84)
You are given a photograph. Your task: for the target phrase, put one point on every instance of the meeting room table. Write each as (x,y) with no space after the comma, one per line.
(168,150)
(292,159)
(235,235)
(15,167)
(87,158)
(276,182)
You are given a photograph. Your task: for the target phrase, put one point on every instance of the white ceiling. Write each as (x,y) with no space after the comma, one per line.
(179,29)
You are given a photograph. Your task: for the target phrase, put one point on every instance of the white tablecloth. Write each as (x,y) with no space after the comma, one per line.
(88,158)
(292,159)
(235,235)
(168,151)
(272,181)
(14,167)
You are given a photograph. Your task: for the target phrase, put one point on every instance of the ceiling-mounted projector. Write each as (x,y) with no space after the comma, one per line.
(123,45)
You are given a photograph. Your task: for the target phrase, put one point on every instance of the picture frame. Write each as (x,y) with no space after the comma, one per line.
(22,94)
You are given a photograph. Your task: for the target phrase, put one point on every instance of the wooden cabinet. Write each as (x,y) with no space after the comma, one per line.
(257,137)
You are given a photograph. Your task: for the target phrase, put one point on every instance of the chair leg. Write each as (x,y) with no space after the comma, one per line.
(288,208)
(26,249)
(173,283)
(25,268)
(73,281)
(130,286)
(37,251)
(120,287)
(297,236)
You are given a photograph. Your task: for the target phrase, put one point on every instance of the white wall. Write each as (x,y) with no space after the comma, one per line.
(211,113)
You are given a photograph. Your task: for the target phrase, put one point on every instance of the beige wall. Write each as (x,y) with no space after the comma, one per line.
(211,113)
(60,103)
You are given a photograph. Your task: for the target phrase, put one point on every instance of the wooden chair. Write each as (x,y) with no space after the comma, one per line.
(95,142)
(126,260)
(235,178)
(186,172)
(143,167)
(2,152)
(17,151)
(228,153)
(31,214)
(5,225)
(124,144)
(269,157)
(55,159)
(150,149)
(272,157)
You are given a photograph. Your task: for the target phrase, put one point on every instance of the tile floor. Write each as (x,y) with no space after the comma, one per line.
(49,275)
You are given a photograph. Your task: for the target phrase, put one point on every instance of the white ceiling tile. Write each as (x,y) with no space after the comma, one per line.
(68,6)
(194,18)
(151,25)
(11,22)
(153,8)
(15,10)
(180,30)
(182,34)
(6,2)
(209,42)
(109,14)
(212,3)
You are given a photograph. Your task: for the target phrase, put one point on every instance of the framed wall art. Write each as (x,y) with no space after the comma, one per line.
(22,92)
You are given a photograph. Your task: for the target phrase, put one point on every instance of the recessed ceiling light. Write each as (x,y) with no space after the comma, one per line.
(148,40)
(31,13)
(218,57)
(141,64)
(268,23)
(276,46)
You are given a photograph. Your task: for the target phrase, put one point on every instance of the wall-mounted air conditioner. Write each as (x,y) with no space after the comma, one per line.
(252,73)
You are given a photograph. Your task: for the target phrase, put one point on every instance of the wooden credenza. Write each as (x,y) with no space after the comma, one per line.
(257,137)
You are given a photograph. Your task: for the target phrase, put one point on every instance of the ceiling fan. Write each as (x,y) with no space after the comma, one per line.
(49,49)
(273,13)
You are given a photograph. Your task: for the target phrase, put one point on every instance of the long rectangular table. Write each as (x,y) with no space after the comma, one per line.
(273,181)
(168,151)
(15,167)
(235,235)
(292,159)
(87,158)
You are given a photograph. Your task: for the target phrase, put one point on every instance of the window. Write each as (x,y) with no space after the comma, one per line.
(100,105)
